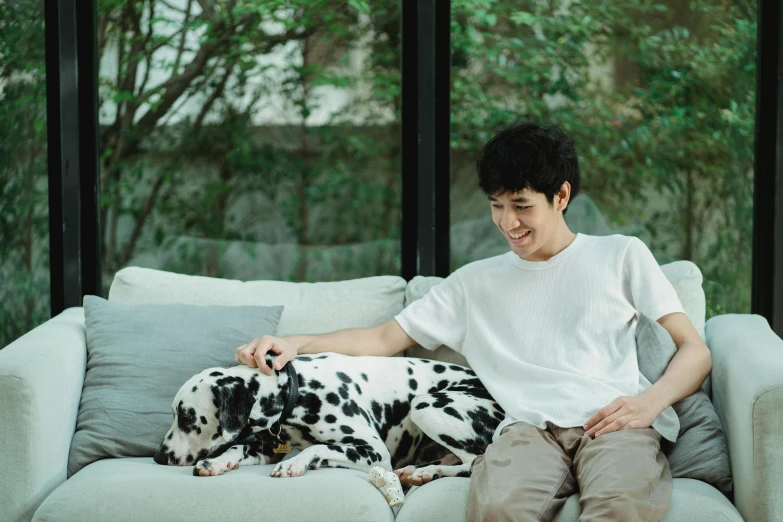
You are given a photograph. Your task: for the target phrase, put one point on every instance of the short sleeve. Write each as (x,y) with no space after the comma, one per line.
(438,317)
(645,285)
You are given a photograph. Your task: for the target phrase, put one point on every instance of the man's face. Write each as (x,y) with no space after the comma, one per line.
(527,220)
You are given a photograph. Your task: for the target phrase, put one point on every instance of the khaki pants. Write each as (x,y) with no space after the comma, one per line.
(528,473)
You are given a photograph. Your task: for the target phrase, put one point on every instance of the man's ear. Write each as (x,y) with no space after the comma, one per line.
(234,405)
(564,194)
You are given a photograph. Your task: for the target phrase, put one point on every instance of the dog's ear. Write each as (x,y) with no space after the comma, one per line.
(235,403)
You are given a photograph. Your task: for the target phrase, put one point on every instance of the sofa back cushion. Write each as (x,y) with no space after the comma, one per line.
(138,357)
(684,276)
(700,451)
(310,308)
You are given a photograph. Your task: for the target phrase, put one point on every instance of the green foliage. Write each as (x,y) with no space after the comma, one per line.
(658,95)
(24,205)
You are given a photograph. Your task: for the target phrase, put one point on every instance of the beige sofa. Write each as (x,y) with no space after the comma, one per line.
(41,377)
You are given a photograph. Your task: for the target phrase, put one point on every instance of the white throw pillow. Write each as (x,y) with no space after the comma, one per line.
(310,308)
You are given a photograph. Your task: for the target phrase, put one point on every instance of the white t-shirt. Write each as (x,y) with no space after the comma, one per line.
(551,340)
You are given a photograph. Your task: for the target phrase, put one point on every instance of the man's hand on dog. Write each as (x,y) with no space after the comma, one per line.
(252,354)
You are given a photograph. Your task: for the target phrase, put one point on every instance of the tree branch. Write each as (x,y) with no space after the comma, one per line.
(217,93)
(208,9)
(141,218)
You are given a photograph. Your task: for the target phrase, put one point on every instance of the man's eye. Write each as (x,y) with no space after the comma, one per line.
(522,208)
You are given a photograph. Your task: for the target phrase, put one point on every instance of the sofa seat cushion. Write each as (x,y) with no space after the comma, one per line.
(133,489)
(447,499)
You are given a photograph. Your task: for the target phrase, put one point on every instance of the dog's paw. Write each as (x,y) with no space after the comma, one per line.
(212,467)
(290,468)
(413,476)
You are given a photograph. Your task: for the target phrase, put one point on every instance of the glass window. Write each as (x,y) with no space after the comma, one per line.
(659,98)
(250,140)
(24,196)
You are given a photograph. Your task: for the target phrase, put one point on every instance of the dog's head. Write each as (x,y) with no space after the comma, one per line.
(210,410)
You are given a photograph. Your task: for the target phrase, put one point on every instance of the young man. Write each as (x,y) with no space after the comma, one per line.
(549,329)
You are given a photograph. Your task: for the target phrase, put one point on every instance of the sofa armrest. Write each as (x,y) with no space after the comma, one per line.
(747,391)
(41,378)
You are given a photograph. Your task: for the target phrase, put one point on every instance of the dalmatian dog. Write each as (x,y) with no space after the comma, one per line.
(421,418)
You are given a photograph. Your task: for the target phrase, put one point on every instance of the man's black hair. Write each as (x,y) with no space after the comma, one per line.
(528,155)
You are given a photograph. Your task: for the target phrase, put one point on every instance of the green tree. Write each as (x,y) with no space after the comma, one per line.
(659,97)
(24,204)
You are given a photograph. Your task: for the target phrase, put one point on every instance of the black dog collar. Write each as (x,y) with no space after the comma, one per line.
(293,394)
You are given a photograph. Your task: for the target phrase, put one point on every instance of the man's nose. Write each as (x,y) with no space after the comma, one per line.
(509,221)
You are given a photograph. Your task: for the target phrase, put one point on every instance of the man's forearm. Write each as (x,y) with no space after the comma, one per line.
(686,371)
(350,341)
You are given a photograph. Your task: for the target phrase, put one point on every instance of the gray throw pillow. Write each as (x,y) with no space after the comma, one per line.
(138,357)
(700,451)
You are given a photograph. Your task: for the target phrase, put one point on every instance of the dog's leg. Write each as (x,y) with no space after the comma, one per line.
(461,422)
(361,457)
(247,454)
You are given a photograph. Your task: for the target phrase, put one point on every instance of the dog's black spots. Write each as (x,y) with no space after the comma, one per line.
(271,405)
(439,387)
(226,382)
(170,435)
(482,422)
(186,419)
(451,411)
(463,474)
(331,419)
(316,385)
(364,376)
(346,429)
(216,435)
(413,384)
(302,358)
(202,454)
(343,391)
(352,455)
(254,385)
(358,389)
(216,374)
(441,400)
(198,431)
(451,442)
(343,377)
(194,388)
(377,410)
(203,420)
(421,405)
(424,361)
(310,418)
(393,415)
(333,399)
(311,402)
(499,416)
(300,380)
(189,459)
(351,409)
(404,447)
(439,368)
(410,370)
(456,368)
(335,447)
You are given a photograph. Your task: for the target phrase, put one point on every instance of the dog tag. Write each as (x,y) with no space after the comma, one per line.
(283,448)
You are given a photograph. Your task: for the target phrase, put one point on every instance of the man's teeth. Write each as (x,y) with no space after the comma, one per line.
(517,236)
